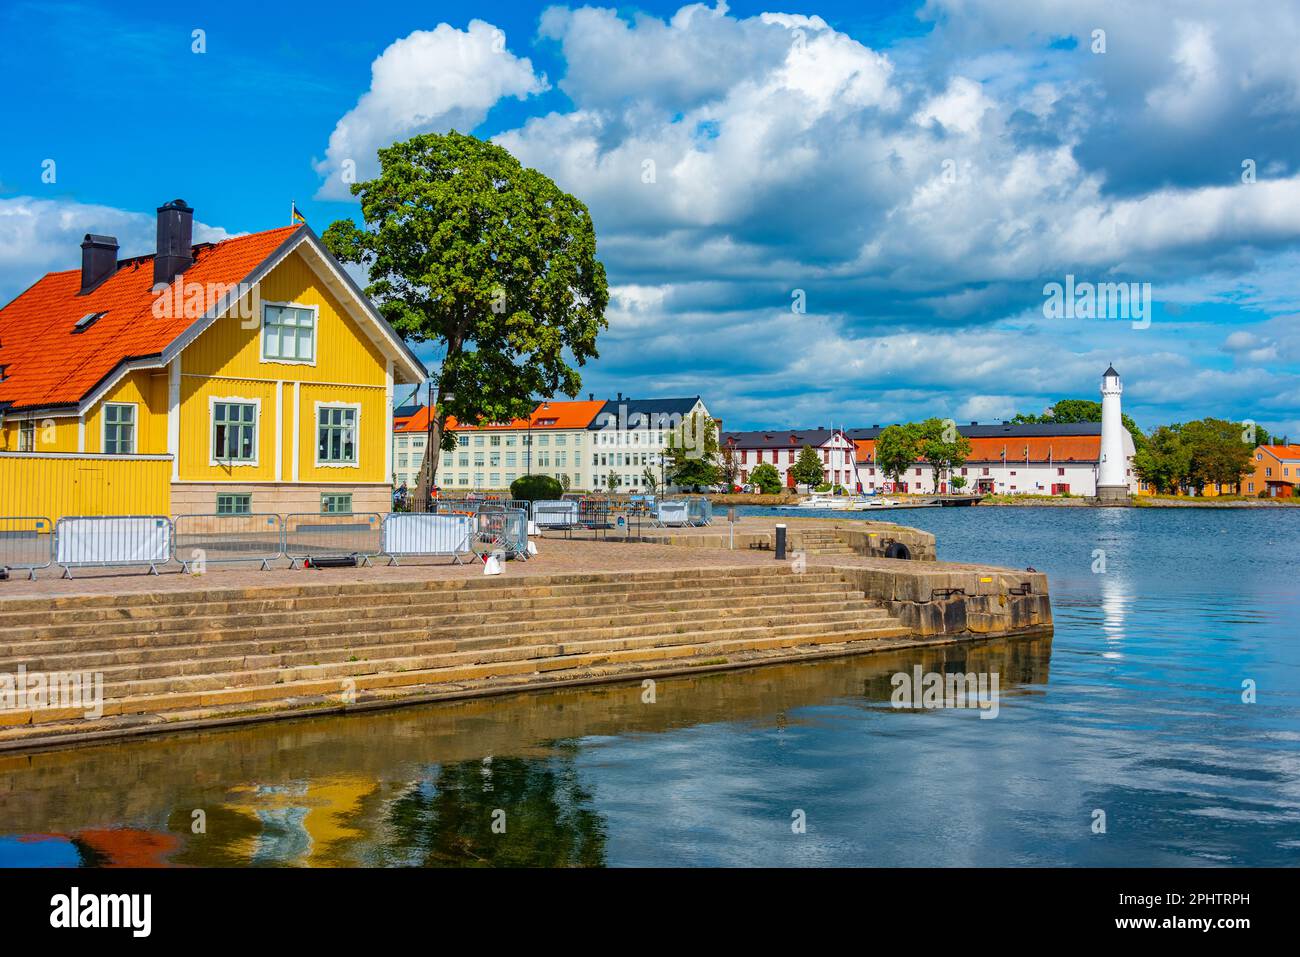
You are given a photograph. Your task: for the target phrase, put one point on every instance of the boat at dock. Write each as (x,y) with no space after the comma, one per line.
(851,503)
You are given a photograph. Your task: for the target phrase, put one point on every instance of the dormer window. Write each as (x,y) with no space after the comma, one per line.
(288,333)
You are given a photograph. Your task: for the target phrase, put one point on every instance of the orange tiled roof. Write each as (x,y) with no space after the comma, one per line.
(1288,452)
(1060,448)
(48,365)
(558,415)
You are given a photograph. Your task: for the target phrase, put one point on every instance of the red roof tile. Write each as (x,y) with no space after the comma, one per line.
(50,365)
(559,415)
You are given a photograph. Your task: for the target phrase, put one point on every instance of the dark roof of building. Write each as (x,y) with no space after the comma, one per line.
(406,411)
(778,438)
(1110,370)
(641,413)
(1025,430)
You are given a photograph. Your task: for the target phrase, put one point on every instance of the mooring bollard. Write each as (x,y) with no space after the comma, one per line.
(731,520)
(780,543)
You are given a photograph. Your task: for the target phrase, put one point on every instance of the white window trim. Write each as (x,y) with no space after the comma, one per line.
(212,432)
(356,439)
(135,427)
(315,334)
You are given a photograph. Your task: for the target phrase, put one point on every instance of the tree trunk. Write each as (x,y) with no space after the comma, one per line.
(432,450)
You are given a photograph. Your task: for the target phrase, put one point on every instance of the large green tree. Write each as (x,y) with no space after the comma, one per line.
(1193,455)
(808,468)
(942,446)
(767,478)
(897,447)
(488,260)
(693,452)
(1163,460)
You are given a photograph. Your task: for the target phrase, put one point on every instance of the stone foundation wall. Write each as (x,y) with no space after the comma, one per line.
(959,600)
(876,537)
(280,498)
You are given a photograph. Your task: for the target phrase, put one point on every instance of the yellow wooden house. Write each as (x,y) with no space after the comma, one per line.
(248,375)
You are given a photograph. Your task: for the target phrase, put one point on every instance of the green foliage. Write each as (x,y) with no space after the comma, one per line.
(611,481)
(897,447)
(693,452)
(1193,455)
(488,260)
(535,488)
(650,480)
(728,466)
(942,446)
(807,468)
(958,482)
(766,477)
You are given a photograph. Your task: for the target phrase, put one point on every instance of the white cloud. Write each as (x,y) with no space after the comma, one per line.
(44,235)
(430,80)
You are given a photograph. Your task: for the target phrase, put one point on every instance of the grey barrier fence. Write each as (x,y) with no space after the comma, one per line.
(26,542)
(100,541)
(505,530)
(252,537)
(555,514)
(674,513)
(309,535)
(699,511)
(426,534)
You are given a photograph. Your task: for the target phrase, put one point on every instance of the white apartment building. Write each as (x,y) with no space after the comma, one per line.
(781,449)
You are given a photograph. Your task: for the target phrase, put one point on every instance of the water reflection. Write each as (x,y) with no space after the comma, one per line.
(496,782)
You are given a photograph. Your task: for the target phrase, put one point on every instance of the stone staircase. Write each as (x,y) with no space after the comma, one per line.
(823,541)
(187,656)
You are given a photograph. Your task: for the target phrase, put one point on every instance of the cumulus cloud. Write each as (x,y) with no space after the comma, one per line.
(920,195)
(431,80)
(44,235)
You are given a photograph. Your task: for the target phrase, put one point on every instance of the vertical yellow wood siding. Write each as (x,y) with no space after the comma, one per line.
(84,485)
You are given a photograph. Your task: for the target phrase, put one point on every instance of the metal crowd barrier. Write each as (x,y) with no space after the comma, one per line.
(672,513)
(562,514)
(699,511)
(504,529)
(410,534)
(85,542)
(332,534)
(26,542)
(594,514)
(217,539)
(455,506)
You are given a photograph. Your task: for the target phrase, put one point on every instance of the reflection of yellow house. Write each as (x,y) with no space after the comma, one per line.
(305,824)
(246,375)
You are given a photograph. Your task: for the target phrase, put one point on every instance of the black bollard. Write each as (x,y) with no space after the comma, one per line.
(780,543)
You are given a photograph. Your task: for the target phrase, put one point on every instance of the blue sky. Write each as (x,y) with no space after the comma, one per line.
(919,171)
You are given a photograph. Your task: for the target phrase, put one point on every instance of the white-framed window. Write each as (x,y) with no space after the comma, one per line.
(336,503)
(337,425)
(234,503)
(27,436)
(119,428)
(288,332)
(234,430)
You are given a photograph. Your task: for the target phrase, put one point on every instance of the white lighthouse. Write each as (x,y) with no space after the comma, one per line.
(1112,469)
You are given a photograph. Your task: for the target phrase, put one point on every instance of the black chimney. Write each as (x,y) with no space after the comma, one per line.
(175,241)
(591,397)
(98,260)
(620,397)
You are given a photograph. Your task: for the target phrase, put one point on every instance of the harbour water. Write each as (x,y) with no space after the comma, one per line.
(1137,713)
